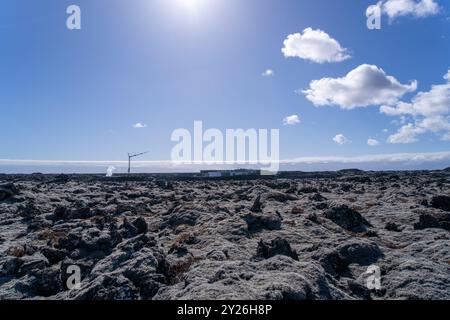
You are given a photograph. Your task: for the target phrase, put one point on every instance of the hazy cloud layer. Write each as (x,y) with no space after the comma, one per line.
(397,161)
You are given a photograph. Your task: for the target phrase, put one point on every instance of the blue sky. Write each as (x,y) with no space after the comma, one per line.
(75,95)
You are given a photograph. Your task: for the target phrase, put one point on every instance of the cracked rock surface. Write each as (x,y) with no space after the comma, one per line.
(311,236)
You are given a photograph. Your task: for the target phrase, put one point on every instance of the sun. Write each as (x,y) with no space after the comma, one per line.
(195,6)
(191,4)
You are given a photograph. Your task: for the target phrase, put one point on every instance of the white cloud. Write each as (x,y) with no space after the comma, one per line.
(340,139)
(373,142)
(268,73)
(139,125)
(406,134)
(291,120)
(363,86)
(314,45)
(447,76)
(416,8)
(428,112)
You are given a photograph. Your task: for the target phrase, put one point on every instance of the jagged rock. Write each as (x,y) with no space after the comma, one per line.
(441,202)
(257,205)
(278,196)
(141,225)
(7,191)
(107,287)
(9,266)
(28,211)
(32,263)
(347,218)
(308,190)
(188,217)
(278,246)
(297,210)
(258,222)
(392,226)
(359,290)
(60,179)
(317,197)
(359,251)
(165,185)
(47,282)
(433,220)
(80,211)
(53,255)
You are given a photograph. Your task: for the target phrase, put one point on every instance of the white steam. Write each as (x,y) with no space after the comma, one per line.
(110,171)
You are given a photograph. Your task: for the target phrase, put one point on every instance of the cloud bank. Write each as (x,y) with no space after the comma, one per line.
(427,112)
(399,161)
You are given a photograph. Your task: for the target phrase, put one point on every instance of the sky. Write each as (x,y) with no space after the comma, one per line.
(339,92)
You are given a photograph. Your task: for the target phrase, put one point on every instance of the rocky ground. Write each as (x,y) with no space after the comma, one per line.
(296,238)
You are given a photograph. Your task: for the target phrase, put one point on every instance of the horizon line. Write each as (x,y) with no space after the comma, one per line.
(367,158)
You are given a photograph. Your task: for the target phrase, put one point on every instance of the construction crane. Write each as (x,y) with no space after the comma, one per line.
(130,156)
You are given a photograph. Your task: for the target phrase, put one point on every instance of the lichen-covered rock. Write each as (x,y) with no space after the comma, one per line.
(141,237)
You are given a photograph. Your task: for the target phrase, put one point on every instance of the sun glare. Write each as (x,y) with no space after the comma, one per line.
(192,4)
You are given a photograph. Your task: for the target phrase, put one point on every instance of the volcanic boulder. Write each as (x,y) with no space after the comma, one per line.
(433,220)
(347,218)
(277,246)
(441,202)
(258,222)
(7,191)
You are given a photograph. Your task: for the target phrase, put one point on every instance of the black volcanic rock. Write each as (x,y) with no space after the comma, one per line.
(433,220)
(141,225)
(347,218)
(278,196)
(441,202)
(187,217)
(392,226)
(308,190)
(257,205)
(353,251)
(277,246)
(7,191)
(259,222)
(317,197)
